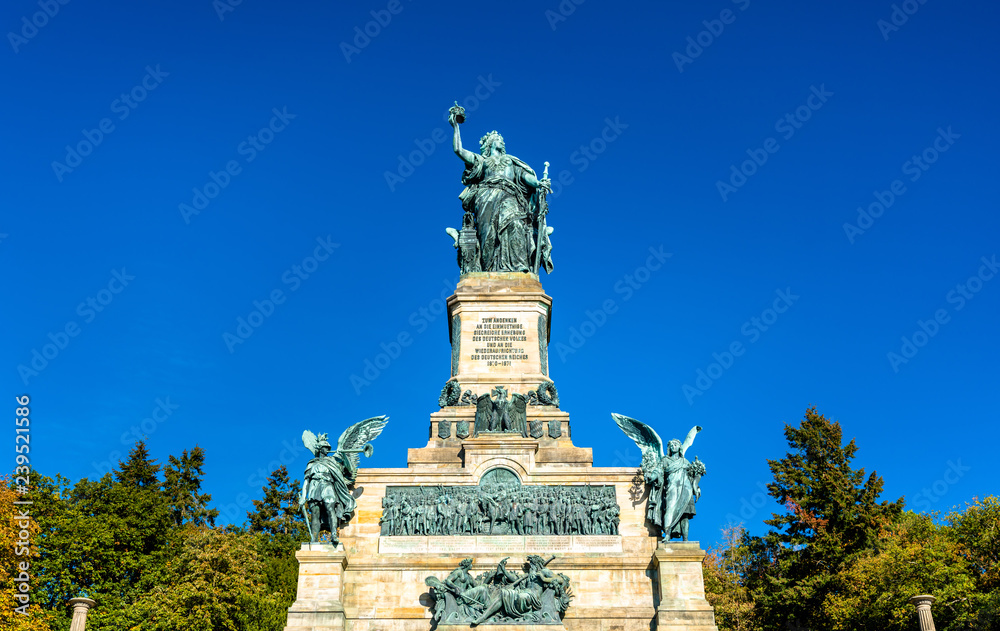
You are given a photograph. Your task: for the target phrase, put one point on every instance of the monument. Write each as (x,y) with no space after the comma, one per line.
(500,521)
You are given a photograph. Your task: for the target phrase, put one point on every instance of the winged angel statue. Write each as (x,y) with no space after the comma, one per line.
(326,498)
(674,480)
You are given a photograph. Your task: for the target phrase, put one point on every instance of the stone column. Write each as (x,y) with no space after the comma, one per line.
(318,602)
(923,604)
(682,605)
(80,608)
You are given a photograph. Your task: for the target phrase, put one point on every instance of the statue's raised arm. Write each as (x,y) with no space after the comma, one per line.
(456,116)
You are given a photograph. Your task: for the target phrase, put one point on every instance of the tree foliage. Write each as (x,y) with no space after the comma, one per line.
(836,557)
(182,484)
(278,511)
(140,542)
(832,513)
(724,570)
(18,561)
(212,582)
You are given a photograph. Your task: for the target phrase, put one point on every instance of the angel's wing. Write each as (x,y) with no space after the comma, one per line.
(519,406)
(644,436)
(453,234)
(355,436)
(310,441)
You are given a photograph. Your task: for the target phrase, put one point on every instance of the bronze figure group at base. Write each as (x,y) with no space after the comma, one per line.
(500,595)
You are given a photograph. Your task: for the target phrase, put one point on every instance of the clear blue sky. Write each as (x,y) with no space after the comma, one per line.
(647,124)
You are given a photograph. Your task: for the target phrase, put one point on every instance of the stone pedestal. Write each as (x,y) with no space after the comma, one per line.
(682,605)
(80,608)
(499,325)
(318,604)
(923,604)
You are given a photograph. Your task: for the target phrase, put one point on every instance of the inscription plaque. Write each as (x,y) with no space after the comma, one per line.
(499,341)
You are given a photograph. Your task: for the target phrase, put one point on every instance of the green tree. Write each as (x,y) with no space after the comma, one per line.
(977,531)
(106,538)
(725,568)
(913,555)
(182,485)
(832,514)
(278,512)
(140,469)
(278,517)
(212,583)
(18,562)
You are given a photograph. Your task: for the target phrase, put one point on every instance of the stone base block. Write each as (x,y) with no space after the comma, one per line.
(318,605)
(682,605)
(316,621)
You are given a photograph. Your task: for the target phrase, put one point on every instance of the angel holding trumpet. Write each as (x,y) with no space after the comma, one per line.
(326,499)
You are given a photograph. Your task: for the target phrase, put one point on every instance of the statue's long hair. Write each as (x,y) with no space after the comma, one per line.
(487,140)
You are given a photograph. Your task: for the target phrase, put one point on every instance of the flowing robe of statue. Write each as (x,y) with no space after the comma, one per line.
(499,194)
(326,480)
(677,501)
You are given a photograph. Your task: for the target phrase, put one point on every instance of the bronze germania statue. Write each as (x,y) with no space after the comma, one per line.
(503,229)
(326,499)
(674,481)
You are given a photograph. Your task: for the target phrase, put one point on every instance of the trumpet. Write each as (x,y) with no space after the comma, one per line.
(367,450)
